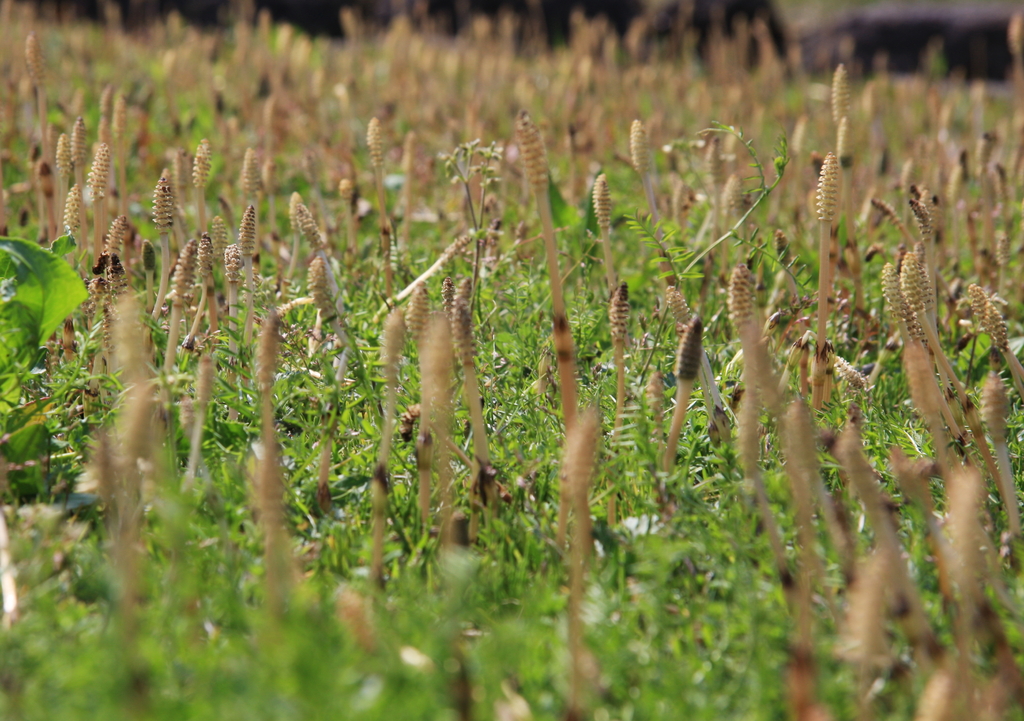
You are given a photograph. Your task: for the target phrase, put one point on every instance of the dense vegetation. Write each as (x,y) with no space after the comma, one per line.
(411,377)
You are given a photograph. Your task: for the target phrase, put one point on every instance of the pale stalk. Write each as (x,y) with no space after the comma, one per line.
(83,226)
(250,285)
(44,123)
(171,352)
(165,273)
(59,202)
(851,239)
(562,334)
(201,208)
(609,267)
(122,175)
(293,263)
(683,390)
(481,459)
(385,229)
(1016,370)
(232,343)
(99,216)
(350,230)
(149,290)
(620,384)
(1007,487)
(824,285)
(194,330)
(8,587)
(209,291)
(233,317)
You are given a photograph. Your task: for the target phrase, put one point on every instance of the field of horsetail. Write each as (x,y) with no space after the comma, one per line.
(407,376)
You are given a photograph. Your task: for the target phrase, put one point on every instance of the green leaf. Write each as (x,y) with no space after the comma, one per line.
(63,245)
(48,289)
(562,213)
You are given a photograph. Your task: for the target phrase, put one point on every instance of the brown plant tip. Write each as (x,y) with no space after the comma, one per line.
(247,232)
(63,156)
(205,256)
(233,264)
(148,257)
(995,406)
(828,189)
(741,301)
(307,224)
(99,174)
(923,216)
(294,201)
(855,380)
(840,94)
(417,311)
(535,157)
(1015,34)
(681,312)
(602,202)
(843,143)
(639,148)
(462,330)
(117,235)
(219,235)
(447,296)
(267,354)
(346,190)
(688,354)
(318,290)
(407,425)
(185,272)
(655,392)
(988,317)
(34,60)
(163,205)
(78,143)
(201,165)
(251,183)
(72,207)
(375,143)
(618,312)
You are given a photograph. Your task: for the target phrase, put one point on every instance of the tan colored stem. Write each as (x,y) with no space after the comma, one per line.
(609,265)
(173,331)
(683,390)
(250,284)
(561,333)
(1007,488)
(165,273)
(385,230)
(824,287)
(620,383)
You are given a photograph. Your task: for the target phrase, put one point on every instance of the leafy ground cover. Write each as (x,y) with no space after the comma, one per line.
(234,528)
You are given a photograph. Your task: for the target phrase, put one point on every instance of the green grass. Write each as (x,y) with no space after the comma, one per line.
(684,612)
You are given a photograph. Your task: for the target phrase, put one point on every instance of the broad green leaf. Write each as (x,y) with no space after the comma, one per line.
(48,289)
(63,245)
(562,213)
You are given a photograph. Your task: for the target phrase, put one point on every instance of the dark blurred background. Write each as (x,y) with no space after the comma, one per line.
(964,38)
